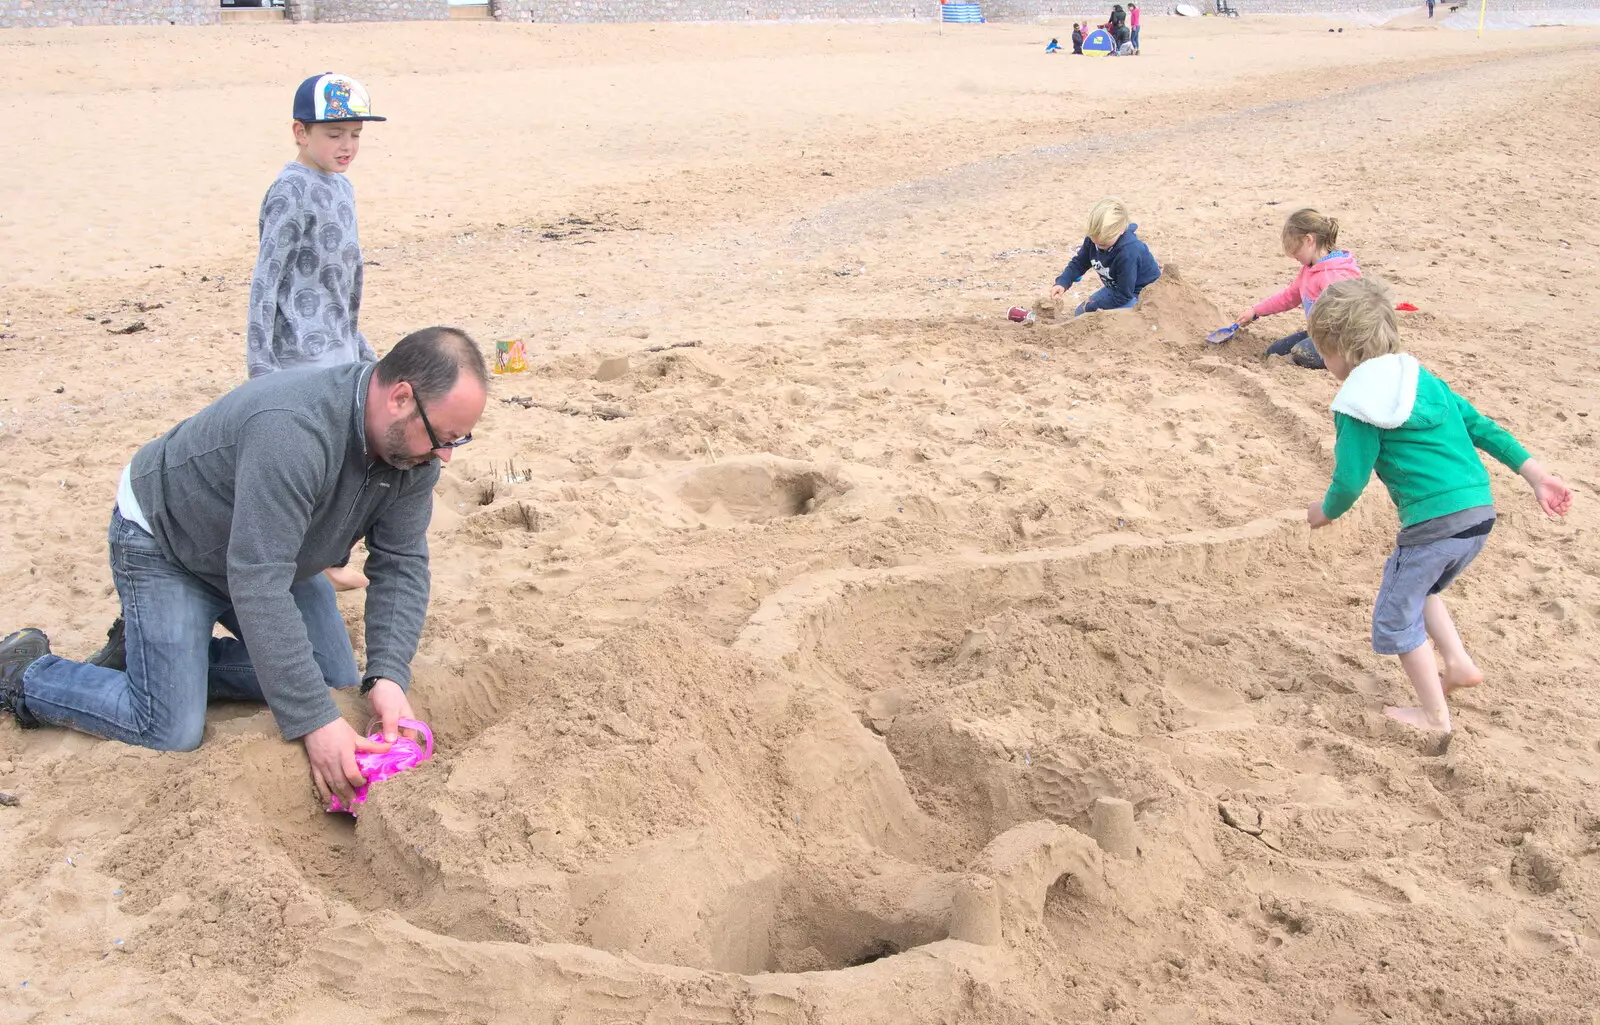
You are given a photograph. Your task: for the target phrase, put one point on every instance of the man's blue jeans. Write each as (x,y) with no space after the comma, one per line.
(175,665)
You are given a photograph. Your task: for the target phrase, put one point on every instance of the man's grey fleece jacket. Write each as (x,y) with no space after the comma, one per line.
(271,484)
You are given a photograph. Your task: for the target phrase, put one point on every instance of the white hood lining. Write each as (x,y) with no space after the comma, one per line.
(1381,392)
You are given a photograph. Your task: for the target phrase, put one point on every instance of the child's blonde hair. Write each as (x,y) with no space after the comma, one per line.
(1355,319)
(1325,230)
(1108,219)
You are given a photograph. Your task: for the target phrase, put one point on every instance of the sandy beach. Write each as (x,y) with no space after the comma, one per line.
(783,672)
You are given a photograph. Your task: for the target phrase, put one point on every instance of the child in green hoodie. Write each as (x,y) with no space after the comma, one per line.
(1393,417)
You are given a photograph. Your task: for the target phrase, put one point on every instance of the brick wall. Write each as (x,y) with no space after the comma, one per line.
(1399,6)
(890,10)
(1385,8)
(1026,10)
(1248,7)
(382,10)
(711,10)
(51,13)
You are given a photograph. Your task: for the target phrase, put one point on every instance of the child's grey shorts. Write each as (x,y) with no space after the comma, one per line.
(1412,573)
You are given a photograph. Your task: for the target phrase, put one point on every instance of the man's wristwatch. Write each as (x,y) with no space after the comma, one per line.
(369,682)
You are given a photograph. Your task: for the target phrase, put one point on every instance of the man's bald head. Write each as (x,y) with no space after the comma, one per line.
(425,397)
(432,361)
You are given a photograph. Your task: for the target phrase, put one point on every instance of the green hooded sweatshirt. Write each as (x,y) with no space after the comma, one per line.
(1394,417)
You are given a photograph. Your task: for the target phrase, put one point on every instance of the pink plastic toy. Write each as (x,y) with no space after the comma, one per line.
(376,765)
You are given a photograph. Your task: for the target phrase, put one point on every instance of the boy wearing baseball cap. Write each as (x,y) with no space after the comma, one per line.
(305,297)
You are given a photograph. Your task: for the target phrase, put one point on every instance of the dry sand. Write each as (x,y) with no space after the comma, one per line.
(874,606)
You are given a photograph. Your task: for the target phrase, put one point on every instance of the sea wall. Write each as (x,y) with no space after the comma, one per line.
(379,10)
(51,13)
(711,10)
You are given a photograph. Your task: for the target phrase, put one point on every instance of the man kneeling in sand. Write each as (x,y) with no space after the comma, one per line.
(231,517)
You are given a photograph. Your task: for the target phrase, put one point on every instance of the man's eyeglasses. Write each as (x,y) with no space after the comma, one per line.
(438,446)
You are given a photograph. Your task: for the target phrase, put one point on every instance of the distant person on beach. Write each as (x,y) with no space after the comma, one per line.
(230,518)
(1430,8)
(1116,253)
(1309,238)
(1118,27)
(1133,24)
(1077,39)
(1392,417)
(305,297)
(1054,47)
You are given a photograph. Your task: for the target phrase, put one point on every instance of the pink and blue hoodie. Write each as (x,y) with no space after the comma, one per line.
(1309,283)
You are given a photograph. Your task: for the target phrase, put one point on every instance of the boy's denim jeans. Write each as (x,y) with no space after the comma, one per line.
(1103,295)
(175,665)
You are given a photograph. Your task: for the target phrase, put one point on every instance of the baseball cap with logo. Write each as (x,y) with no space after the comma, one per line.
(333,97)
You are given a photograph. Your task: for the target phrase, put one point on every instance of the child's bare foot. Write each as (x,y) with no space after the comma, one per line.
(1460,679)
(1419,718)
(345,578)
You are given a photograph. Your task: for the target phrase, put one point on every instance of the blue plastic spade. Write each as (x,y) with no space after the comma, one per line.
(1222,334)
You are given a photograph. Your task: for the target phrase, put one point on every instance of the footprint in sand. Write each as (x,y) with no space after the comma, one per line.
(1541,940)
(1212,706)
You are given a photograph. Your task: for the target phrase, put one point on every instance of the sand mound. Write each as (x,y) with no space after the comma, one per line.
(741,822)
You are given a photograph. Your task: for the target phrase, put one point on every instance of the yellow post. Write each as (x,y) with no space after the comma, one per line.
(1482,7)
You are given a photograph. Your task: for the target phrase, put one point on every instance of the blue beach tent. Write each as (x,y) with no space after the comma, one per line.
(1098,41)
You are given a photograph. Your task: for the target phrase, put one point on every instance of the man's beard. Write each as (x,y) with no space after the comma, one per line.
(394,448)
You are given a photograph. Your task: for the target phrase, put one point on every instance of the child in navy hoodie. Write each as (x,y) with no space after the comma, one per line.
(1113,249)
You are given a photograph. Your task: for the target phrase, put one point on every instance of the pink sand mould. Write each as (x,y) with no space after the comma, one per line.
(380,765)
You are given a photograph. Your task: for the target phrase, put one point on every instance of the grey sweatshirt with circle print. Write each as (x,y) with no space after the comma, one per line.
(305,297)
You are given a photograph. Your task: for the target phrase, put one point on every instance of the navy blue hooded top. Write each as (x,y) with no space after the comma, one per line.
(1125,269)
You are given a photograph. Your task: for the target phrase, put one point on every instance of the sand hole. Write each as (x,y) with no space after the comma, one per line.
(799,493)
(875,952)
(756,489)
(828,936)
(1065,898)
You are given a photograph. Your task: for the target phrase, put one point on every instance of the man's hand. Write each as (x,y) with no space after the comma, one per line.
(389,704)
(1246,317)
(1315,515)
(332,752)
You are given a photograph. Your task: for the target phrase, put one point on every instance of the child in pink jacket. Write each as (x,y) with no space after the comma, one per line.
(1309,238)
